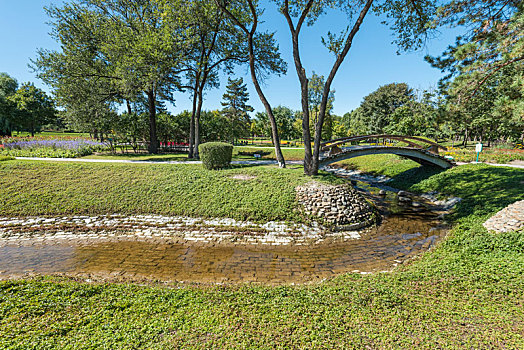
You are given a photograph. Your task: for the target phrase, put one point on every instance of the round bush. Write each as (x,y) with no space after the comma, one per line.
(215,155)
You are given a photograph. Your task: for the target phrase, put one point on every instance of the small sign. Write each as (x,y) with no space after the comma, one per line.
(478,149)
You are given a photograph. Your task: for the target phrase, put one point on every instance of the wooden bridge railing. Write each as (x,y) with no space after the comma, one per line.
(433,146)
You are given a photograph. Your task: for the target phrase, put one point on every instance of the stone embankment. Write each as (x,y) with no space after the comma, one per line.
(143,227)
(341,205)
(508,219)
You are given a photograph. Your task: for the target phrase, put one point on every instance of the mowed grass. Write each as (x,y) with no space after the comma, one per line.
(53,188)
(380,164)
(467,293)
(289,154)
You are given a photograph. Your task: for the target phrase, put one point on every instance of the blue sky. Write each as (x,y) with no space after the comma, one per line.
(372,61)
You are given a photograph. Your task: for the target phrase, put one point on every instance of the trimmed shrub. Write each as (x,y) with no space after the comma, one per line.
(215,155)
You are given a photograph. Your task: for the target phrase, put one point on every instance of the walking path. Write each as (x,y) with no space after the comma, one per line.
(86,160)
(251,162)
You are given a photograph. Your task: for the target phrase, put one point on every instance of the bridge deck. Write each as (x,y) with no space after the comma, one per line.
(418,155)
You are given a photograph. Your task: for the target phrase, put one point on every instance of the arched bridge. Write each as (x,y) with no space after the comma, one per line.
(418,149)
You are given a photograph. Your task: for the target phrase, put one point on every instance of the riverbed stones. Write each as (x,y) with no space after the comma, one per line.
(338,205)
(508,219)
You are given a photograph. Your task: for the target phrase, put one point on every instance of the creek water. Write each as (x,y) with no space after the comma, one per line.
(404,232)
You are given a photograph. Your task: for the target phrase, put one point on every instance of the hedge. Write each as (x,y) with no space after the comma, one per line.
(215,155)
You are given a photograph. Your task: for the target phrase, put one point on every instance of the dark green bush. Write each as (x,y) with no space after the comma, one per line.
(215,155)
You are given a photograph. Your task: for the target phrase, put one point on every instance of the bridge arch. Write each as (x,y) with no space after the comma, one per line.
(421,156)
(410,140)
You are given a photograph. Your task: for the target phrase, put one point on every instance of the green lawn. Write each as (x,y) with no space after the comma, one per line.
(380,164)
(467,293)
(289,154)
(164,157)
(54,188)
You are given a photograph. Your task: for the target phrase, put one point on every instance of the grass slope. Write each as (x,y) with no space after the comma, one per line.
(53,188)
(466,293)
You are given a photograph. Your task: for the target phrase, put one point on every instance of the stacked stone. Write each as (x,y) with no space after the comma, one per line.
(508,219)
(339,205)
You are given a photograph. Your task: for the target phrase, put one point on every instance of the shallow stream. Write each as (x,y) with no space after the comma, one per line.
(404,232)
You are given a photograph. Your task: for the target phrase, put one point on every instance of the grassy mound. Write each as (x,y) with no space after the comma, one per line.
(466,293)
(52,188)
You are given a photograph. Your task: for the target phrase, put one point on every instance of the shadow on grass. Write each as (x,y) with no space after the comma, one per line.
(408,178)
(484,189)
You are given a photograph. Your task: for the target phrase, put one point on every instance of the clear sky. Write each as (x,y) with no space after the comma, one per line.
(372,61)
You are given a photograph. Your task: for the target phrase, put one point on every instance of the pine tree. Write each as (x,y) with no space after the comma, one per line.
(236,108)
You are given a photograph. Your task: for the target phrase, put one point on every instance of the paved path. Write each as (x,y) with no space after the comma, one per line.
(518,166)
(252,162)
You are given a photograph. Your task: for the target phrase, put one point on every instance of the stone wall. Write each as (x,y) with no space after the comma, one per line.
(340,205)
(508,219)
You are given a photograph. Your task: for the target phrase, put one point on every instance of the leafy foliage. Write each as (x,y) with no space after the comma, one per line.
(484,83)
(466,292)
(216,155)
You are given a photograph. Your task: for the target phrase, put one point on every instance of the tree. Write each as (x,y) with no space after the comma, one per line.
(236,108)
(379,106)
(315,90)
(8,87)
(285,119)
(33,108)
(410,19)
(483,86)
(263,55)
(118,49)
(220,44)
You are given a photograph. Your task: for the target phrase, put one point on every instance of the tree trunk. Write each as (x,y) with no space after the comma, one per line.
(274,128)
(153,140)
(312,162)
(197,123)
(192,148)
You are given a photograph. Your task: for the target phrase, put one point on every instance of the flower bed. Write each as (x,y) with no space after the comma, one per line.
(49,148)
(488,155)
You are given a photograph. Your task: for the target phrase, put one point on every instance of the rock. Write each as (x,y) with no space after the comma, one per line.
(508,219)
(402,194)
(382,193)
(340,205)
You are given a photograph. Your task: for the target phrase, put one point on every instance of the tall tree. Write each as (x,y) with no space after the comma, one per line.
(236,108)
(485,67)
(128,44)
(8,87)
(315,90)
(219,45)
(34,108)
(264,57)
(285,118)
(408,18)
(379,106)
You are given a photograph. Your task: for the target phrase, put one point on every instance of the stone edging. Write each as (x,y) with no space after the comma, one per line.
(340,206)
(508,219)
